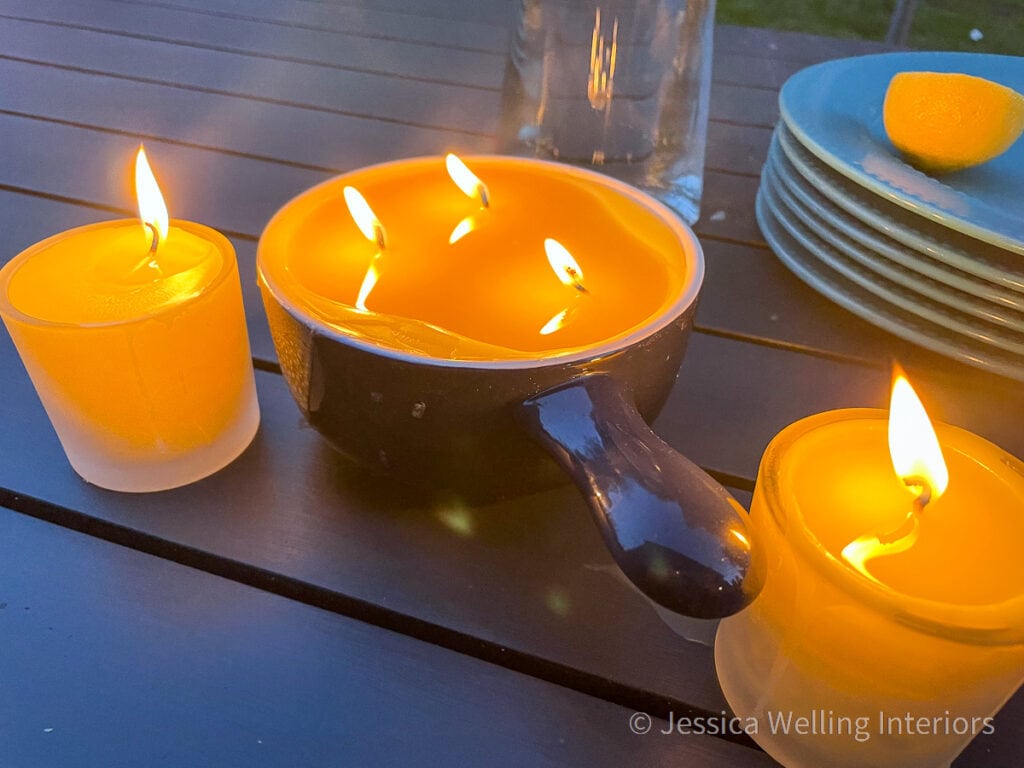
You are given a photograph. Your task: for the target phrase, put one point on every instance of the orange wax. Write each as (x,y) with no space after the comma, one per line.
(142,362)
(488,294)
(935,632)
(104,274)
(840,481)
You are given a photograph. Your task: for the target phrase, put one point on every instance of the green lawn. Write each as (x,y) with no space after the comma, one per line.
(938,24)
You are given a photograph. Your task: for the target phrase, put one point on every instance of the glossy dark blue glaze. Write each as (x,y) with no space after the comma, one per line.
(445,426)
(457,430)
(674,531)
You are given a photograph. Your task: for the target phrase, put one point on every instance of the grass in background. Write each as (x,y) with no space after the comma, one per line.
(943,25)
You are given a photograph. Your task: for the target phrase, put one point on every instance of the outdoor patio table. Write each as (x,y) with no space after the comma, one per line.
(289,610)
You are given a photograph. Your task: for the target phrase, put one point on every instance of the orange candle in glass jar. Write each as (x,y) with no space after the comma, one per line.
(891,625)
(134,337)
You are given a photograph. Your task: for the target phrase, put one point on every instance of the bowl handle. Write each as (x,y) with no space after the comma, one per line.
(673,530)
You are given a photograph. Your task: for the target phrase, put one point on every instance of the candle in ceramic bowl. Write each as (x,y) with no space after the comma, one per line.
(134,336)
(446,329)
(891,625)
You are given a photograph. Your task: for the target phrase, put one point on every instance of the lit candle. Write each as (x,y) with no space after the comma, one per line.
(134,337)
(469,258)
(891,625)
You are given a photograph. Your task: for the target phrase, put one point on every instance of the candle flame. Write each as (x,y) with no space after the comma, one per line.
(369,283)
(364,217)
(913,445)
(917,460)
(561,319)
(462,229)
(466,180)
(152,209)
(555,323)
(564,265)
(368,223)
(864,548)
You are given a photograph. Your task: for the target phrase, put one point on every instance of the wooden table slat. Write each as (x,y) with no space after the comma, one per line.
(272,132)
(727,208)
(368,93)
(124,103)
(491,13)
(424,103)
(343,48)
(782,45)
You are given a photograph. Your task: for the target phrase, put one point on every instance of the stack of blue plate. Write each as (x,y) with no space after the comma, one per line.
(937,260)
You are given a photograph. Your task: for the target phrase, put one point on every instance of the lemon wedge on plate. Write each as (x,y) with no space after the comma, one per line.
(947,121)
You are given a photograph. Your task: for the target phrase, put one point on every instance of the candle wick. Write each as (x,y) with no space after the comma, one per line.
(576,282)
(909,525)
(485,196)
(156,238)
(907,528)
(379,236)
(901,538)
(149,260)
(924,496)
